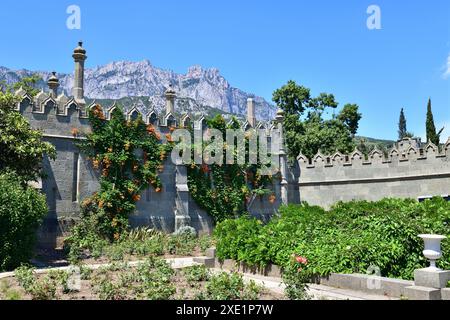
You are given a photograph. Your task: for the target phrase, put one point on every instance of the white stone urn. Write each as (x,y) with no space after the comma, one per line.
(432,249)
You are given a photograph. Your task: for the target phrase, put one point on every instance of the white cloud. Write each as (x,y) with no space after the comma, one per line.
(446,74)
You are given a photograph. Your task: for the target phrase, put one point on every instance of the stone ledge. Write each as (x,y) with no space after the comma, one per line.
(208,262)
(422,293)
(445,294)
(211,252)
(270,270)
(432,279)
(367,283)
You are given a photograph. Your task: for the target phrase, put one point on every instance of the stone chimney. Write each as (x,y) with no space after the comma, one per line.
(53,84)
(170,100)
(79,55)
(251,112)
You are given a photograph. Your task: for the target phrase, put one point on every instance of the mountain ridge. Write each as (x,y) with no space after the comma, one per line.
(203,87)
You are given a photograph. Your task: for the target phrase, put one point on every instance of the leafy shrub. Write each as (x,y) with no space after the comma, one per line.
(224,286)
(296,278)
(205,242)
(196,273)
(39,288)
(155,277)
(183,244)
(22,209)
(149,280)
(142,234)
(239,239)
(107,289)
(186,231)
(349,238)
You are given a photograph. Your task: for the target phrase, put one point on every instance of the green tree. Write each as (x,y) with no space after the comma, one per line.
(29,84)
(21,148)
(292,98)
(350,116)
(402,126)
(432,135)
(21,211)
(306,129)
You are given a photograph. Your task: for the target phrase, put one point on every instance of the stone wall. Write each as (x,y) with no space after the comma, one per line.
(70,178)
(406,173)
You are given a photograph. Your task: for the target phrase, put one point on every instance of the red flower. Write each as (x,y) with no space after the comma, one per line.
(301,260)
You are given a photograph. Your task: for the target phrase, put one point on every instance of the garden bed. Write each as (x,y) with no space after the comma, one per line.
(133,246)
(153,279)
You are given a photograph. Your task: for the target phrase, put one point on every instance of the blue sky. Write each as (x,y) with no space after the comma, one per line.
(258,45)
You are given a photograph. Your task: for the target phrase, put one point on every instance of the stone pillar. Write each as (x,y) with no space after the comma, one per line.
(170,100)
(53,84)
(251,112)
(283,157)
(79,56)
(182,218)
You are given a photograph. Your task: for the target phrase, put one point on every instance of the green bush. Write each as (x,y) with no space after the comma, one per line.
(224,286)
(240,239)
(43,288)
(21,211)
(349,238)
(196,274)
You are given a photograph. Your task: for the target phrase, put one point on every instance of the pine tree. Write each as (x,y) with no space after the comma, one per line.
(402,132)
(432,136)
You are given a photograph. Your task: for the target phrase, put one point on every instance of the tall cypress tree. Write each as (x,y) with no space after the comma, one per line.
(402,132)
(432,136)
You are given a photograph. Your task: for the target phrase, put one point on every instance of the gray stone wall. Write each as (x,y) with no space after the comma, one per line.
(70,178)
(410,173)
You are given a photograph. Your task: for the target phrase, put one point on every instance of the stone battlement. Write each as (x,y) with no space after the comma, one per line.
(70,113)
(411,172)
(376,158)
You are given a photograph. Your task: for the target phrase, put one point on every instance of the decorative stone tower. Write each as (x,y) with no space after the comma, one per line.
(79,55)
(282,156)
(251,112)
(170,100)
(53,84)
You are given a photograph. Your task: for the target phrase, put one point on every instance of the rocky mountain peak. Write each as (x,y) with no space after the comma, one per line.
(121,79)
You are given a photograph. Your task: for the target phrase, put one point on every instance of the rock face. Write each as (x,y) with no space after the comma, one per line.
(201,87)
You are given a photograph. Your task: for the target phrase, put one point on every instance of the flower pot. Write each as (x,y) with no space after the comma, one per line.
(432,249)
